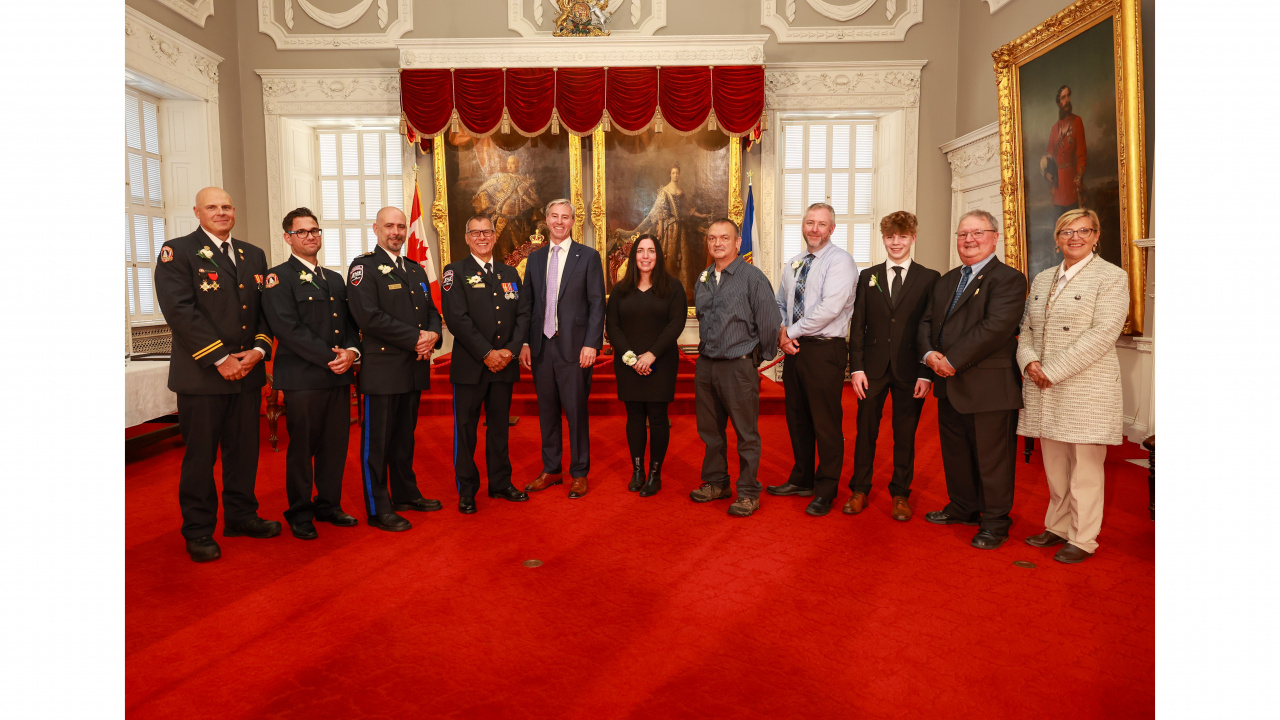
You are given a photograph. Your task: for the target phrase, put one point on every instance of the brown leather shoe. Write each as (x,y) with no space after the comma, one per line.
(856,504)
(901,509)
(578,488)
(1072,554)
(544,481)
(1045,539)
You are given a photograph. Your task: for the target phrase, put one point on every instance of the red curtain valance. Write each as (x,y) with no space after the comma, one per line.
(530,100)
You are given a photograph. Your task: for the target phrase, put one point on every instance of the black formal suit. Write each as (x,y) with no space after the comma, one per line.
(882,345)
(978,406)
(309,319)
(486,313)
(390,306)
(213,307)
(559,381)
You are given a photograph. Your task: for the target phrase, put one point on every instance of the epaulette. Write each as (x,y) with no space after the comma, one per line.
(365,254)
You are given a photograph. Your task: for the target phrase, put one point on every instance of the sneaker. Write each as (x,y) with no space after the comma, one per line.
(743,507)
(709,492)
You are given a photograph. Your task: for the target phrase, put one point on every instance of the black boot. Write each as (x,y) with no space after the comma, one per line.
(654,483)
(637,474)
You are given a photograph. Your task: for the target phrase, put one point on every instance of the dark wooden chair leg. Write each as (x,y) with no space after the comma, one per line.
(275,408)
(1028,447)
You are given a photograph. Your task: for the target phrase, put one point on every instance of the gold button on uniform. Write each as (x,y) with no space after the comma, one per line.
(244,307)
(242,286)
(335,314)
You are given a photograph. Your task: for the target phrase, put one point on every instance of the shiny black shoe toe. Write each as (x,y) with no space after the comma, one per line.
(938,517)
(467,506)
(339,518)
(390,522)
(203,549)
(987,540)
(421,505)
(305,530)
(255,528)
(789,488)
(818,507)
(511,493)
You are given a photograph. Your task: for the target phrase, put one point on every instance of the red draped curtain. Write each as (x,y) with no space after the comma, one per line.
(533,99)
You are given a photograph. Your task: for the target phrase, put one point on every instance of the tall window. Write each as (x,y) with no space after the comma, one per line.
(143,205)
(359,175)
(829,161)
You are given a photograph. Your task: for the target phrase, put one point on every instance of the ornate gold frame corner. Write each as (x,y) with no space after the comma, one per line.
(1130,131)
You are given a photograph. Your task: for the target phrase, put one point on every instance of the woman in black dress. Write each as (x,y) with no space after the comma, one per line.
(645,316)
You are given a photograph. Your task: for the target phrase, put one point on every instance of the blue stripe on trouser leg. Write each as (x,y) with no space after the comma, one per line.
(364,460)
(456,482)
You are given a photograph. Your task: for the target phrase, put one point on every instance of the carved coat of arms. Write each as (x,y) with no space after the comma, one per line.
(582,18)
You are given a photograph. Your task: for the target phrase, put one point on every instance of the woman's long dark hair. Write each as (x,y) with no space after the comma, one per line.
(660,279)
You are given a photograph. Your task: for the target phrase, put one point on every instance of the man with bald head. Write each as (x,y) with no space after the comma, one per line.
(391,302)
(210,290)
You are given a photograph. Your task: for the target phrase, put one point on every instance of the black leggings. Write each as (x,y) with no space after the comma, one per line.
(659,429)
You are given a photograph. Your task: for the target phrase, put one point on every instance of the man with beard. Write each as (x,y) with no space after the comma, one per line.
(391,302)
(1064,162)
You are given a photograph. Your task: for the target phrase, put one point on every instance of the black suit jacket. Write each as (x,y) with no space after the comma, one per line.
(981,338)
(882,336)
(214,308)
(482,317)
(390,308)
(309,320)
(580,308)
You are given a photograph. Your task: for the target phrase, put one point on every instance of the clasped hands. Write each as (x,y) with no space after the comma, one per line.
(344,360)
(789,345)
(938,363)
(497,360)
(238,364)
(644,363)
(426,343)
(1035,374)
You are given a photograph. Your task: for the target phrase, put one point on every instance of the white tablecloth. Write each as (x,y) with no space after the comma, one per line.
(145,393)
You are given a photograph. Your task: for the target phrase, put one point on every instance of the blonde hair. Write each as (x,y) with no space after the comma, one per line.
(1071,216)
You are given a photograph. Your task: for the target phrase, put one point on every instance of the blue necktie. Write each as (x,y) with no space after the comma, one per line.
(797,302)
(965,272)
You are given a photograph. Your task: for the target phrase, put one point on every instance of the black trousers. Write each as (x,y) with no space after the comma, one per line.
(813,380)
(658,435)
(906,417)
(386,450)
(978,454)
(562,386)
(468,398)
(209,423)
(319,423)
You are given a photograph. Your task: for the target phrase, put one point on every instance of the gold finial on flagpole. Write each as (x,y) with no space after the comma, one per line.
(750,174)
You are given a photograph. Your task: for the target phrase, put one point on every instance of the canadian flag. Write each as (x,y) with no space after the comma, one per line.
(419,248)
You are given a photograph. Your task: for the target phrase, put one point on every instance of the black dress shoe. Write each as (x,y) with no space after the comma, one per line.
(390,522)
(421,505)
(467,506)
(203,549)
(789,488)
(938,517)
(339,518)
(987,540)
(305,530)
(1045,539)
(255,528)
(510,493)
(818,507)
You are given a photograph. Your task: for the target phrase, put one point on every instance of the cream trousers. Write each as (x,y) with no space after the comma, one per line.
(1075,479)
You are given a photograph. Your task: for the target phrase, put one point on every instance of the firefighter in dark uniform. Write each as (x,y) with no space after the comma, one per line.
(485,342)
(306,306)
(399,326)
(210,290)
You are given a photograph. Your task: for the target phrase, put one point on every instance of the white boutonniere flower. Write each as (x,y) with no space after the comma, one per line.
(629,358)
(474,280)
(875,284)
(207,254)
(307,277)
(384,269)
(795,267)
(703,276)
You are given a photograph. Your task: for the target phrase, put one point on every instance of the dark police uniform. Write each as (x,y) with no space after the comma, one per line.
(485,312)
(309,319)
(213,307)
(390,307)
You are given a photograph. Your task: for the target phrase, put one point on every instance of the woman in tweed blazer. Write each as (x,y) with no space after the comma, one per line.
(1071,394)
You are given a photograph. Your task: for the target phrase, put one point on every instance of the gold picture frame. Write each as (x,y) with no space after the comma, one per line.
(1063,51)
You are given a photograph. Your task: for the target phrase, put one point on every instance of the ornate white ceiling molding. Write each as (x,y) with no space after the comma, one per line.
(197,11)
(895,30)
(858,85)
(276,19)
(158,52)
(534,18)
(583,52)
(371,92)
(974,158)
(997,4)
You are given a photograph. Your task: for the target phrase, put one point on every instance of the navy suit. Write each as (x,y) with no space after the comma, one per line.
(559,381)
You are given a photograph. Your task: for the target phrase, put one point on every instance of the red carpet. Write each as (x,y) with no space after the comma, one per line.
(645,607)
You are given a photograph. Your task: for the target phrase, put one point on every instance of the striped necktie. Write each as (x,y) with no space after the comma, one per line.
(797,301)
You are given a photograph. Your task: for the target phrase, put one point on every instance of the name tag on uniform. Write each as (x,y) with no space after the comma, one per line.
(394,287)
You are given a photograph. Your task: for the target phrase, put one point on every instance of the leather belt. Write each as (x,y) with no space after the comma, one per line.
(816,339)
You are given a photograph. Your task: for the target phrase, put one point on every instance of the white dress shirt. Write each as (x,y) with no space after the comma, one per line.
(1066,273)
(889,274)
(312,268)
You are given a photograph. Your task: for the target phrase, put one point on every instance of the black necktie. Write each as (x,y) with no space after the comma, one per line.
(488,271)
(225,246)
(400,264)
(896,286)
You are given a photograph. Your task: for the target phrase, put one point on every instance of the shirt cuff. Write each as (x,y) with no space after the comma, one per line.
(925,359)
(220,360)
(357,352)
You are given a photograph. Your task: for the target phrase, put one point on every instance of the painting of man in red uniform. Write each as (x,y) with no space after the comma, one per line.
(1065,159)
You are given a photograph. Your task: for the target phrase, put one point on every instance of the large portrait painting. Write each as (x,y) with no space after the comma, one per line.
(1071,136)
(509,178)
(671,186)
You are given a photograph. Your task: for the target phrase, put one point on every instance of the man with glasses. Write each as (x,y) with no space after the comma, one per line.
(390,299)
(968,338)
(488,313)
(317,344)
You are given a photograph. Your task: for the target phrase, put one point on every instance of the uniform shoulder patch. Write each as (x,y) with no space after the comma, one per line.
(272,280)
(447,281)
(357,274)
(166,254)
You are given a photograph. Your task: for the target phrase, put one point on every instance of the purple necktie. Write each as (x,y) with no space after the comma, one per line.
(553,290)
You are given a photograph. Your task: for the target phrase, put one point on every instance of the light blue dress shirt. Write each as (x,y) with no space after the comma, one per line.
(828,293)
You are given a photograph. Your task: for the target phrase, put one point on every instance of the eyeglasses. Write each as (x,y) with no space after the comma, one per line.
(1084,233)
(977,234)
(305,232)
(480,233)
